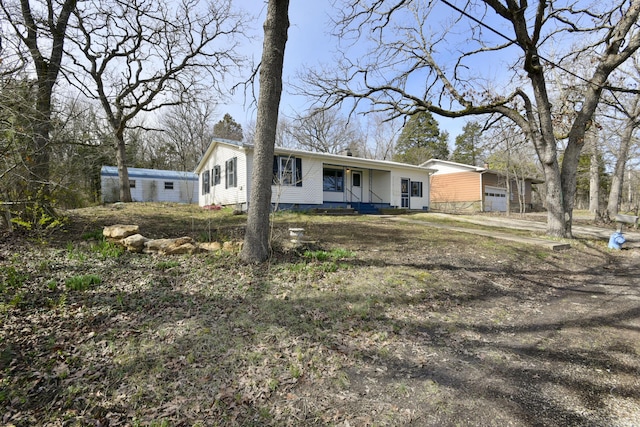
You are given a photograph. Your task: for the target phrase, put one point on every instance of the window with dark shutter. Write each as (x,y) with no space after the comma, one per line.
(416,189)
(298,172)
(287,170)
(205,182)
(230,173)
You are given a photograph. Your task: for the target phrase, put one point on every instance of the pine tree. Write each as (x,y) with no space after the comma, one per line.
(421,140)
(228,128)
(468,150)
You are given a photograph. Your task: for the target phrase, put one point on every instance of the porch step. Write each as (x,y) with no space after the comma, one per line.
(366,208)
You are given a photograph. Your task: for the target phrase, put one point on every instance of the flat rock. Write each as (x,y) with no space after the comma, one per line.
(120,231)
(181,245)
(186,248)
(135,243)
(232,246)
(210,246)
(157,245)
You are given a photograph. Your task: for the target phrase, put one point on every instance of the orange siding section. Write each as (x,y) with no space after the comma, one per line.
(455,187)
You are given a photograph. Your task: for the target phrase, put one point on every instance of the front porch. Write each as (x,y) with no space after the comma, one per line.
(364,189)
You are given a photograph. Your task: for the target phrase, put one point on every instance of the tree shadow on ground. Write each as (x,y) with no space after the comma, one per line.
(425,338)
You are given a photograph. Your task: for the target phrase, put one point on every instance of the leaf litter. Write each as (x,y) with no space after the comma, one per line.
(411,328)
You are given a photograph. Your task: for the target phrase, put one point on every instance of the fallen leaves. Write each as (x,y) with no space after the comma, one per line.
(384,338)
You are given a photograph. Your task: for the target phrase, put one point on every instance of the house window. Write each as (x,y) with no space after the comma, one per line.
(416,189)
(230,173)
(205,182)
(168,185)
(333,180)
(132,183)
(287,170)
(216,175)
(356,178)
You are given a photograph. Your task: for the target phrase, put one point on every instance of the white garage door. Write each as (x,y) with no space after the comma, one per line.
(495,199)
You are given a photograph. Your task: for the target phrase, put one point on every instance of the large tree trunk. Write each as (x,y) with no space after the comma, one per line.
(256,242)
(544,141)
(555,209)
(617,179)
(47,70)
(594,181)
(123,173)
(40,150)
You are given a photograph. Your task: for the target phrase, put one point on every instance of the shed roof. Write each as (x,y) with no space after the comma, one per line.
(142,173)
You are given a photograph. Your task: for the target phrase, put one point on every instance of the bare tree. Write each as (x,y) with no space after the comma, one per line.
(594,174)
(256,246)
(404,51)
(41,26)
(284,134)
(381,139)
(325,131)
(139,56)
(624,111)
(512,155)
(185,135)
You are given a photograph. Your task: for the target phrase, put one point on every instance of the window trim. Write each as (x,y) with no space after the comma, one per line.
(231,173)
(416,189)
(205,182)
(295,167)
(216,175)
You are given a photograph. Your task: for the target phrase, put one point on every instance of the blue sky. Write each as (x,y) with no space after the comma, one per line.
(308,44)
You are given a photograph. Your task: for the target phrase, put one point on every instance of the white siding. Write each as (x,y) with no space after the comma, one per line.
(449,167)
(442,169)
(311,190)
(109,189)
(381,184)
(218,194)
(379,177)
(414,202)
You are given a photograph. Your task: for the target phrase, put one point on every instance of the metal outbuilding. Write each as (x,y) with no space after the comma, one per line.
(150,185)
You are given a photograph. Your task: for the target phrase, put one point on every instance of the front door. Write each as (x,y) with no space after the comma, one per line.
(404,193)
(356,186)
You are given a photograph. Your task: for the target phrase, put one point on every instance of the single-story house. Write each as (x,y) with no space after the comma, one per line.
(150,185)
(456,187)
(304,180)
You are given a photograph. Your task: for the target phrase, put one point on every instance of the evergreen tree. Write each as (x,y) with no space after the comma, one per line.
(421,140)
(468,149)
(227,128)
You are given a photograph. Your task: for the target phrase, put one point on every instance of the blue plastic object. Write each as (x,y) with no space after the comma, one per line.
(616,240)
